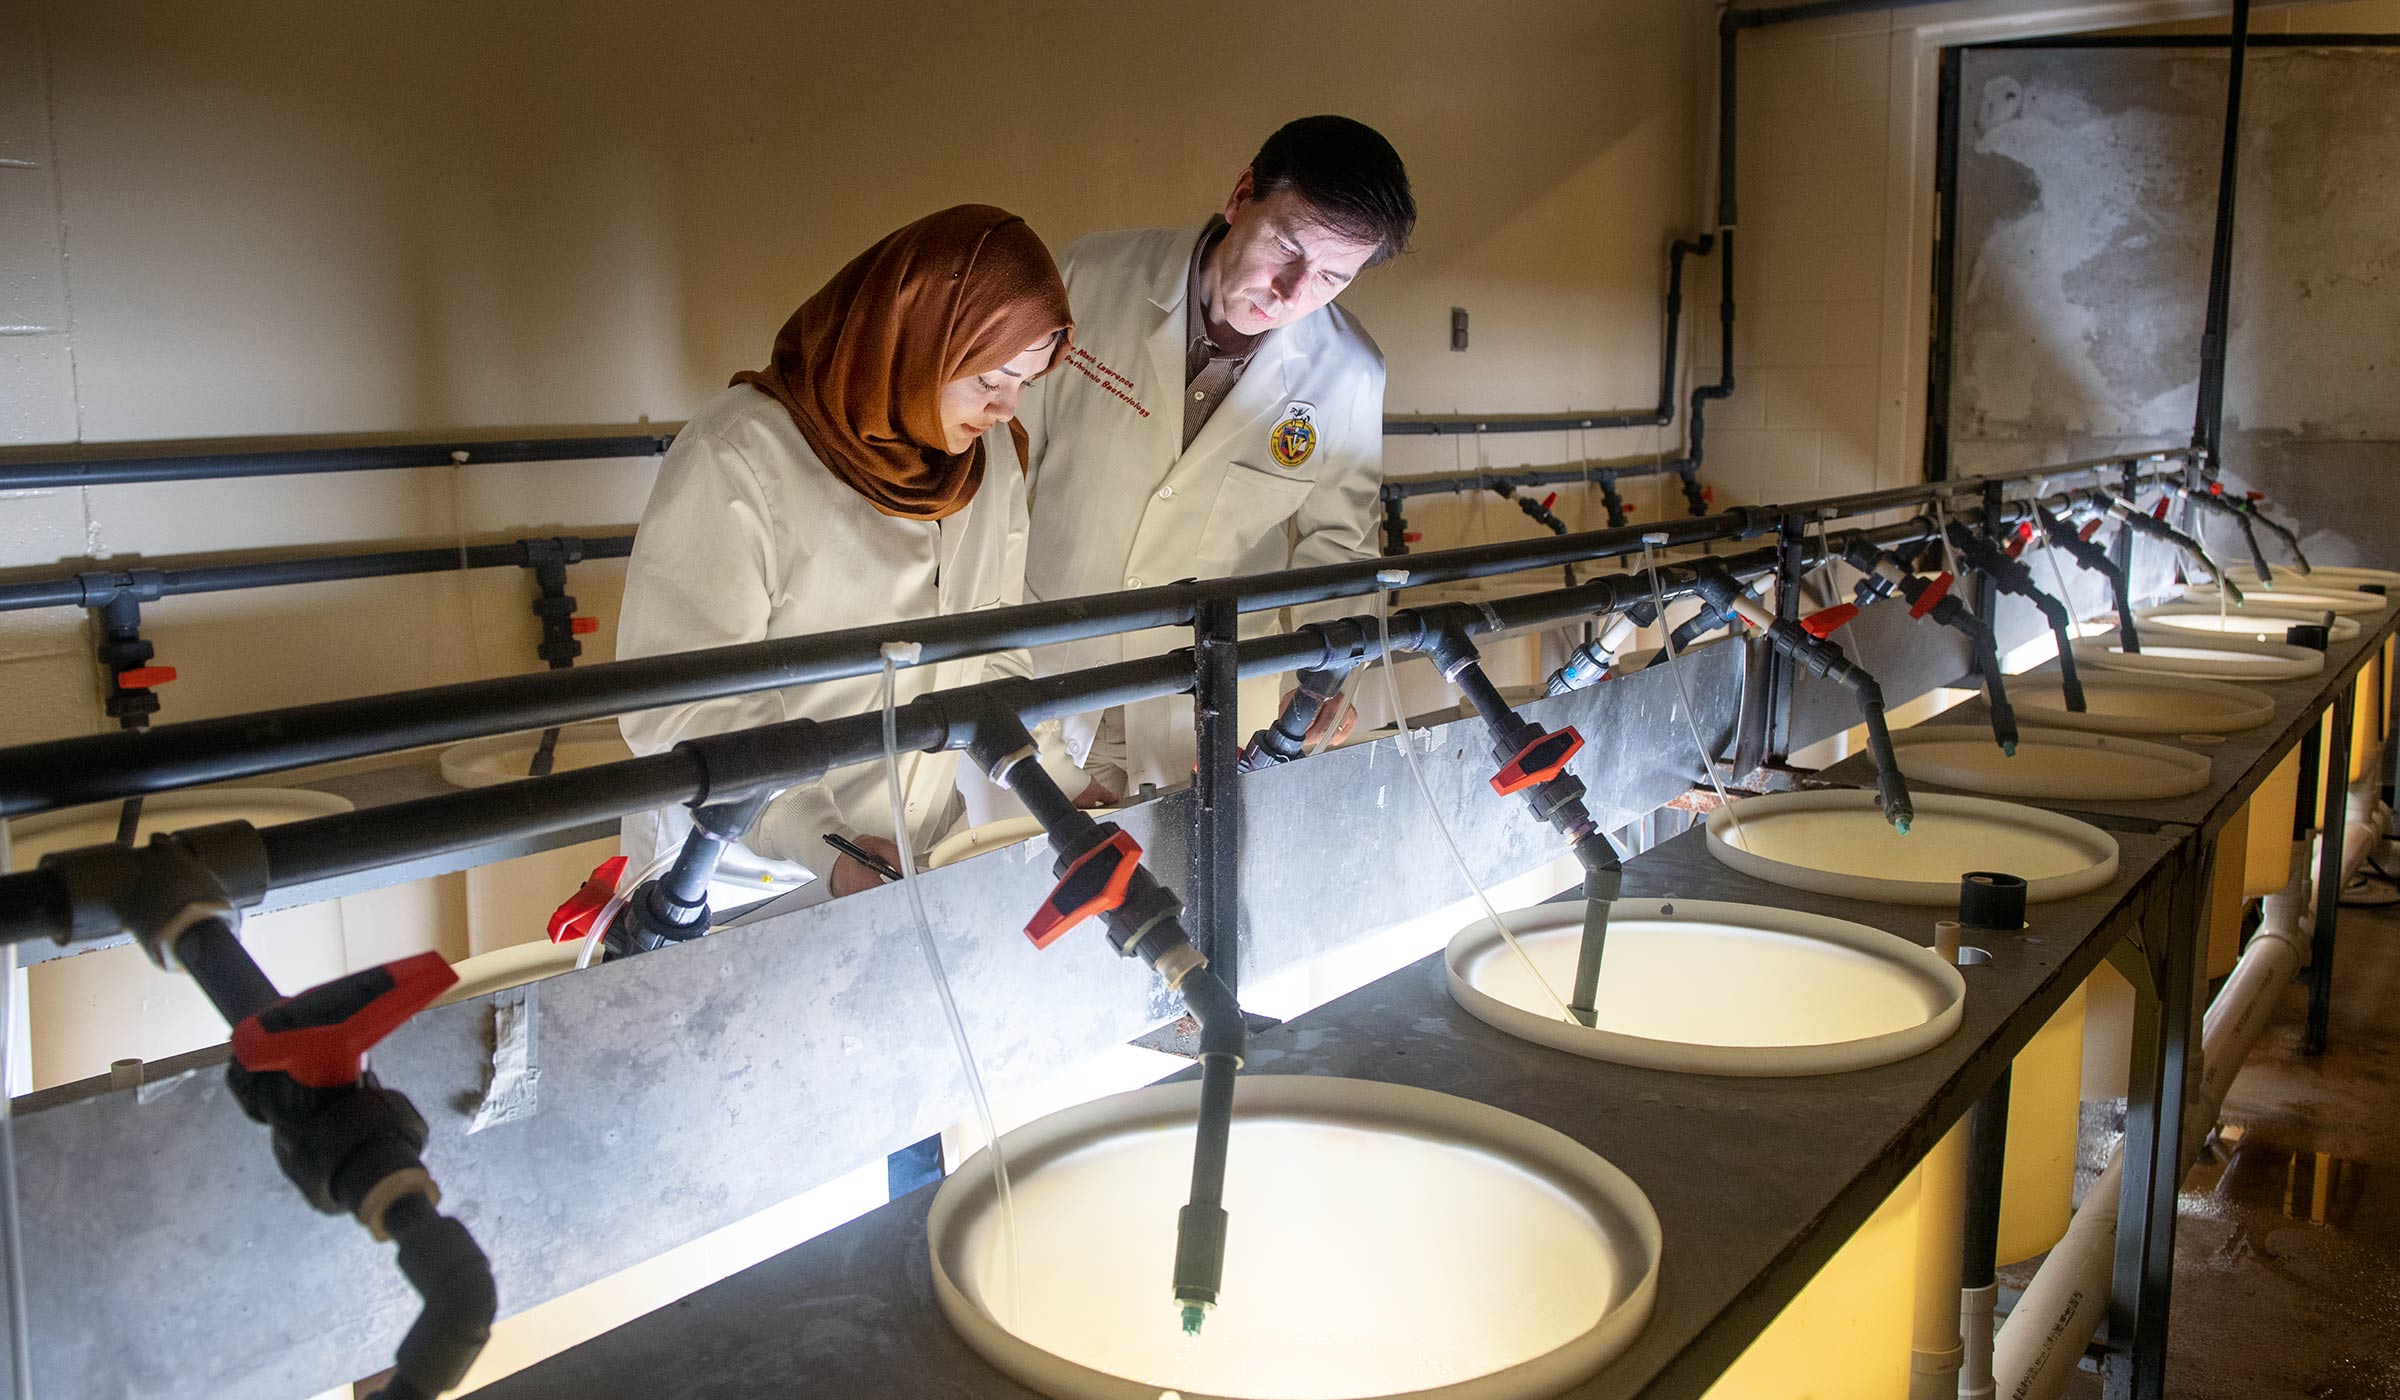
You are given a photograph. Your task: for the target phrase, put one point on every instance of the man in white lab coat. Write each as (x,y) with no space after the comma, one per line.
(1217,415)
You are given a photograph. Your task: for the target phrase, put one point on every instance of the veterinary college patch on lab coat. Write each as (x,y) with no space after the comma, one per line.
(1295,437)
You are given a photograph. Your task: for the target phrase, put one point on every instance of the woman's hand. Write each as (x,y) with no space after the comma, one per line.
(1331,726)
(850,875)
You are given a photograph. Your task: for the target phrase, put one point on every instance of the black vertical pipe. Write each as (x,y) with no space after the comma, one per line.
(1988,902)
(1216,801)
(1987,592)
(1783,676)
(2329,872)
(1395,525)
(1945,263)
(2208,418)
(1987,1170)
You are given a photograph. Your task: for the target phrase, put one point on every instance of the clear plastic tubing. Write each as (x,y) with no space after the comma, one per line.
(12,1247)
(895,653)
(1391,579)
(1666,641)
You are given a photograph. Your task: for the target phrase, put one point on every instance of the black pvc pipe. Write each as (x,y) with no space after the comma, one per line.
(93,588)
(720,768)
(109,767)
(2208,421)
(100,468)
(449,1271)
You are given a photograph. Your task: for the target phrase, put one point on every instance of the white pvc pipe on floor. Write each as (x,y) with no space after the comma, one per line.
(2063,1308)
(1937,1350)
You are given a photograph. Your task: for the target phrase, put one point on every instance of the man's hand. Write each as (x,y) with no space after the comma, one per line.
(850,875)
(1095,794)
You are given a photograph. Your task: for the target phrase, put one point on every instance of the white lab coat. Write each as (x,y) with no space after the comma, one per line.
(1119,503)
(747,537)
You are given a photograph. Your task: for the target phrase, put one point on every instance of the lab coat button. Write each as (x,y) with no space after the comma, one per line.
(1133,583)
(1166,493)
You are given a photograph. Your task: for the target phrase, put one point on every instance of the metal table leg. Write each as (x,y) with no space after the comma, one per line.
(2166,1033)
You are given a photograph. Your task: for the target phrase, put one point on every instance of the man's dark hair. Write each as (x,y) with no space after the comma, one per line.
(1350,176)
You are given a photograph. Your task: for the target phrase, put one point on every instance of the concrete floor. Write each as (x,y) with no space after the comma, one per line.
(2287,1249)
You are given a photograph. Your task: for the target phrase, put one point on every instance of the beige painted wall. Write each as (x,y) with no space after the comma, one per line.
(233,218)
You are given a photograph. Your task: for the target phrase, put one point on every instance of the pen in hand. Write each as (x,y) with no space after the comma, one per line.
(863,856)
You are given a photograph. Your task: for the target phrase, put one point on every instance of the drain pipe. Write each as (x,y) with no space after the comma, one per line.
(2063,1308)
(1314,688)
(1884,576)
(1533,762)
(1804,643)
(2079,547)
(1100,874)
(2138,519)
(2009,575)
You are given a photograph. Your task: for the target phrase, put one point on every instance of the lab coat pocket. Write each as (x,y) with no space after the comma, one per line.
(1252,503)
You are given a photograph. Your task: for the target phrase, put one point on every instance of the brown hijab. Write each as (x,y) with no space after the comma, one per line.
(861,365)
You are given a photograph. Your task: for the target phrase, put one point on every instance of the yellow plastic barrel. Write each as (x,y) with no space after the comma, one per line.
(2045,1093)
(1854,1320)
(2267,844)
(2228,896)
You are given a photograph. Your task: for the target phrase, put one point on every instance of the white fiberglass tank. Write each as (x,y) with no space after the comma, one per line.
(2056,764)
(1838,843)
(2338,575)
(504,758)
(509,902)
(2240,624)
(1707,987)
(2289,599)
(1383,1241)
(2210,658)
(2130,702)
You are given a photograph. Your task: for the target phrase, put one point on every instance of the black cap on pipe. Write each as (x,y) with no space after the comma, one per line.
(1990,900)
(2315,636)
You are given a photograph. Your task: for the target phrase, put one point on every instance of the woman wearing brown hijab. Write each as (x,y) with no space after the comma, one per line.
(869,473)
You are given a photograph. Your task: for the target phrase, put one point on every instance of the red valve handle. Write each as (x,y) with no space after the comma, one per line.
(1550,500)
(2018,540)
(1094,884)
(2254,495)
(2159,511)
(1709,494)
(1627,508)
(1933,595)
(1824,624)
(321,1037)
(1410,537)
(573,919)
(1538,762)
(2216,488)
(583,626)
(144,677)
(2090,528)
